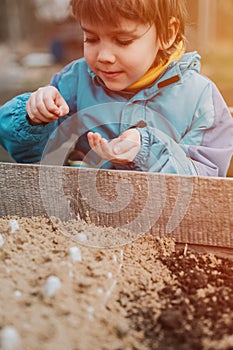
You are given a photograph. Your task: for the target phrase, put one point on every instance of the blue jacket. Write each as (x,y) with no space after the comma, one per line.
(185,125)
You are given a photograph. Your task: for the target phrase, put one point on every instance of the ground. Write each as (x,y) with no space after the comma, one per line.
(140,296)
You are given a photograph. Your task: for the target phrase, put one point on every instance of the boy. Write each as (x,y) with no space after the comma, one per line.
(136,101)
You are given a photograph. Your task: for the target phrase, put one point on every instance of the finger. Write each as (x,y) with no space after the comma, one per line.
(47,107)
(31,112)
(97,137)
(36,121)
(53,101)
(44,101)
(37,110)
(94,139)
(40,120)
(62,105)
(103,141)
(35,116)
(90,139)
(98,147)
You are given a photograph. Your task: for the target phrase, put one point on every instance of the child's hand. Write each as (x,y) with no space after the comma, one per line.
(121,150)
(46,105)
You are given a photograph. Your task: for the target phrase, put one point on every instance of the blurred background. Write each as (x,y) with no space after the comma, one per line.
(38,37)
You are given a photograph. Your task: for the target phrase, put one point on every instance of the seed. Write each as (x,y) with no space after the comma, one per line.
(75,254)
(1,240)
(52,285)
(10,339)
(13,225)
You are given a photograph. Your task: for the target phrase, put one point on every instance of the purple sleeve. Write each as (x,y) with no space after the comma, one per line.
(212,157)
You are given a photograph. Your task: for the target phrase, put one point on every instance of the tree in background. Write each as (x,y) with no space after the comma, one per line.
(17,20)
(53,10)
(30,20)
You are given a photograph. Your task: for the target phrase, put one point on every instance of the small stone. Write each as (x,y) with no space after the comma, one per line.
(18,294)
(90,311)
(214,299)
(52,285)
(13,225)
(75,254)
(1,240)
(10,338)
(109,274)
(100,291)
(178,292)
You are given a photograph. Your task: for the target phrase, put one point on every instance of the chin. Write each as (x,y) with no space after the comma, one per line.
(116,88)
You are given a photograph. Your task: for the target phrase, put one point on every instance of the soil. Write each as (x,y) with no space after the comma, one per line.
(138,296)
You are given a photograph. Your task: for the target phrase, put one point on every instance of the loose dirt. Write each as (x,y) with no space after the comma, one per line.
(139,296)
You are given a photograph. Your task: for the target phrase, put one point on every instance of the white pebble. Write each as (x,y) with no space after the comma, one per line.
(75,254)
(10,338)
(100,291)
(18,294)
(109,274)
(14,225)
(52,285)
(90,311)
(1,240)
(81,237)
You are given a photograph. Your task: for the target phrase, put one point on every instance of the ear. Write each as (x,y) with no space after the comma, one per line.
(172,33)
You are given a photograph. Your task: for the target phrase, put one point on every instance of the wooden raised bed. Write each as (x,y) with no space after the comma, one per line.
(196,211)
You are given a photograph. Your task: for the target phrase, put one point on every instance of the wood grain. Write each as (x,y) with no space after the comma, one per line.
(193,210)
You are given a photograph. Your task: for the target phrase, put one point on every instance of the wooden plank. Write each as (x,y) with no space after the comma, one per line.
(194,210)
(221,252)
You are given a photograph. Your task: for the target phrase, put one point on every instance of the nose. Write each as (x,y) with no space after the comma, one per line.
(106,55)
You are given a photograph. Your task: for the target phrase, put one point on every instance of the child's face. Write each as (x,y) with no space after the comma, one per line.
(120,55)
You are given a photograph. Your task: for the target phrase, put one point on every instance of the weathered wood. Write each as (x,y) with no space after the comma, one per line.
(221,252)
(194,210)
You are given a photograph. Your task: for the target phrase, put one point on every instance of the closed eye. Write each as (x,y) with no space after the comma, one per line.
(124,42)
(118,41)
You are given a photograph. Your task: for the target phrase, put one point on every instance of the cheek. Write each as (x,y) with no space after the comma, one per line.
(89,55)
(137,61)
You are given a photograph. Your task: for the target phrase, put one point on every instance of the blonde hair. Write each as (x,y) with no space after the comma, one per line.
(158,12)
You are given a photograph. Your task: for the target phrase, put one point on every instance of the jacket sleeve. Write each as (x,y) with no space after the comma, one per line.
(24,142)
(205,149)
(160,153)
(213,155)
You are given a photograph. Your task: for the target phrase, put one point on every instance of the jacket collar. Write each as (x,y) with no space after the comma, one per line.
(173,74)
